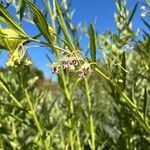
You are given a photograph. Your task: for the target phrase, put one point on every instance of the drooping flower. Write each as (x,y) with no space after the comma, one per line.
(84,70)
(68,65)
(55,67)
(70,62)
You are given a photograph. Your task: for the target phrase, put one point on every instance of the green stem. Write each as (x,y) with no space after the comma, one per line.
(78,141)
(14,134)
(52,15)
(33,113)
(35,117)
(71,110)
(1,143)
(49,45)
(90,114)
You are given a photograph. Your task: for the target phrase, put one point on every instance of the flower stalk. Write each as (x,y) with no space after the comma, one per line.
(91,121)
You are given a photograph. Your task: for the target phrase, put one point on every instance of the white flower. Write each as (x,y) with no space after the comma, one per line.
(84,70)
(55,68)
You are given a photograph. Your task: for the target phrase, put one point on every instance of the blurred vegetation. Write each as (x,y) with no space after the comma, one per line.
(100,102)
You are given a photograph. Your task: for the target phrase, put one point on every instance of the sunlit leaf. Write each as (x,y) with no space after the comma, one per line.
(8,20)
(40,22)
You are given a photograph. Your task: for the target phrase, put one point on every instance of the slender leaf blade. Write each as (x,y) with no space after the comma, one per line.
(123,64)
(40,22)
(21,9)
(63,26)
(133,13)
(8,20)
(145,103)
(92,43)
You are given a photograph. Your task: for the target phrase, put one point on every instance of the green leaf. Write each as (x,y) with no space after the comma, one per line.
(145,103)
(8,20)
(64,27)
(21,9)
(133,12)
(92,43)
(40,22)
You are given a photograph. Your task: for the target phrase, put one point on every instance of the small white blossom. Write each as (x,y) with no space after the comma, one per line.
(84,70)
(55,68)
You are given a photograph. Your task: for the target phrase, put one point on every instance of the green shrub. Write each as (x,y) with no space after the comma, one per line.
(96,104)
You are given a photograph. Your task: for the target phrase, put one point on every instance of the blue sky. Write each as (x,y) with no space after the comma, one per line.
(86,12)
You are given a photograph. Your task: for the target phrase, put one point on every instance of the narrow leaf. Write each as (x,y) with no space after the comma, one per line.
(8,20)
(133,13)
(21,9)
(63,26)
(40,22)
(123,64)
(92,43)
(145,103)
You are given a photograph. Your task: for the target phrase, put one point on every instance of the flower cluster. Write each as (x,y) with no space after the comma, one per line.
(72,61)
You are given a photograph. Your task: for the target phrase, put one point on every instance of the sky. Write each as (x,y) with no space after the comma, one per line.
(100,12)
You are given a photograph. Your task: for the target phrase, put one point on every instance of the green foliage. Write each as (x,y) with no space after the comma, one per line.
(40,22)
(8,20)
(92,43)
(63,27)
(21,9)
(95,104)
